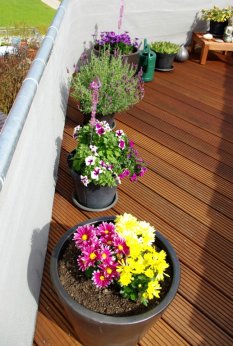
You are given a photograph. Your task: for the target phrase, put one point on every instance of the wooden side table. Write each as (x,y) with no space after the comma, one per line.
(209,45)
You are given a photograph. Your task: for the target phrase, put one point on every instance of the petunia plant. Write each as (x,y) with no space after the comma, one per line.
(122,254)
(104,157)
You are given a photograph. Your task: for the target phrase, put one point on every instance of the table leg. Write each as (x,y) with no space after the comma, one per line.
(204,53)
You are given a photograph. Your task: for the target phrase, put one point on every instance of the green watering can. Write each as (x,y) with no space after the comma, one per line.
(147,62)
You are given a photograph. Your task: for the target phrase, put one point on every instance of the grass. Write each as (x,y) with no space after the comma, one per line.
(24,13)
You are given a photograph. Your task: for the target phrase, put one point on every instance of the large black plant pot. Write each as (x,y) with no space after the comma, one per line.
(217,28)
(94,329)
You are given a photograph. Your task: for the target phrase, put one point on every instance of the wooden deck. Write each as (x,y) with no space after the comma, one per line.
(184,130)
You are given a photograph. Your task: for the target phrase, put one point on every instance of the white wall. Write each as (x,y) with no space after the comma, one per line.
(27,195)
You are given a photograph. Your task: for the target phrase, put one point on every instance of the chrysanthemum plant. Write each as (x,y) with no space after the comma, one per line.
(103,156)
(122,254)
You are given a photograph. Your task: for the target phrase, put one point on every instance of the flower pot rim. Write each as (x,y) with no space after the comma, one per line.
(101,318)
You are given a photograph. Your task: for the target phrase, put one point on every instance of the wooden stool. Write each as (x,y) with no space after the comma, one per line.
(209,45)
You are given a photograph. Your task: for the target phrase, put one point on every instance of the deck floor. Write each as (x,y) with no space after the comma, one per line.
(184,130)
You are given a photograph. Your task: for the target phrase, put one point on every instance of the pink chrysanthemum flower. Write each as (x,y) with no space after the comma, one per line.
(120,246)
(110,270)
(84,235)
(90,255)
(82,264)
(106,229)
(106,255)
(100,279)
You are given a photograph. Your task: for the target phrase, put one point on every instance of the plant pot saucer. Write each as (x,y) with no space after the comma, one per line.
(165,69)
(83,207)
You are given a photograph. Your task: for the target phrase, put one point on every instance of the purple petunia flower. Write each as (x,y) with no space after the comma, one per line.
(119,133)
(84,180)
(133,177)
(121,144)
(90,160)
(95,173)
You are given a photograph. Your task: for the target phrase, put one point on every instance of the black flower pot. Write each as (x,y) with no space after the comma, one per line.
(217,28)
(91,197)
(131,58)
(164,61)
(95,329)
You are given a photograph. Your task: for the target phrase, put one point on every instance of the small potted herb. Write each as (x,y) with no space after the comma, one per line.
(165,54)
(218,18)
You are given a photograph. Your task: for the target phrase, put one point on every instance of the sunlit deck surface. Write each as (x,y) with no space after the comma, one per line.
(184,130)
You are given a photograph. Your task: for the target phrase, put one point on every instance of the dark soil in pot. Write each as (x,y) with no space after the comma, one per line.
(104,301)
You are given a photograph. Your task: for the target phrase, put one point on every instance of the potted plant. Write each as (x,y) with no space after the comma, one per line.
(118,44)
(218,18)
(120,86)
(165,54)
(114,278)
(102,158)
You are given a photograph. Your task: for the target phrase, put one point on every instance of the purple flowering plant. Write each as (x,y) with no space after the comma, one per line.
(121,86)
(113,42)
(104,157)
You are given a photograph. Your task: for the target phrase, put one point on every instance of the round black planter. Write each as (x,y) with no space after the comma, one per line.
(132,58)
(217,28)
(91,197)
(94,329)
(164,61)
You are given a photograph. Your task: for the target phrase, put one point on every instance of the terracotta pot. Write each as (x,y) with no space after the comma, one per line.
(94,329)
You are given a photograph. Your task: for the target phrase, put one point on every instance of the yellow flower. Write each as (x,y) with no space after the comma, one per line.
(153,289)
(125,274)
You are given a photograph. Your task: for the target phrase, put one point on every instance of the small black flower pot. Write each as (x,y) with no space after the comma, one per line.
(217,28)
(164,62)
(91,197)
(95,329)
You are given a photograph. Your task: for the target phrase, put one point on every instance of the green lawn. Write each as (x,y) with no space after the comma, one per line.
(33,13)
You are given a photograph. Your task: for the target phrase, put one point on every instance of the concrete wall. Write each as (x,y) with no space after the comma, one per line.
(31,138)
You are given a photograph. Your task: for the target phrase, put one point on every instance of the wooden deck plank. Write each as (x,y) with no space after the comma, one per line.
(184,130)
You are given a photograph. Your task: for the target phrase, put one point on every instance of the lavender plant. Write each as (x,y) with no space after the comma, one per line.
(121,86)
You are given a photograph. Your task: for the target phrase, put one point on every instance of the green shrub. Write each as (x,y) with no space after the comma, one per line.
(13,70)
(217,14)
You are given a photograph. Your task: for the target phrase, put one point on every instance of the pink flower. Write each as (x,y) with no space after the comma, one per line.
(84,235)
(143,171)
(99,129)
(110,270)
(90,255)
(90,160)
(131,143)
(121,247)
(100,279)
(106,255)
(84,180)
(119,133)
(95,173)
(121,144)
(133,177)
